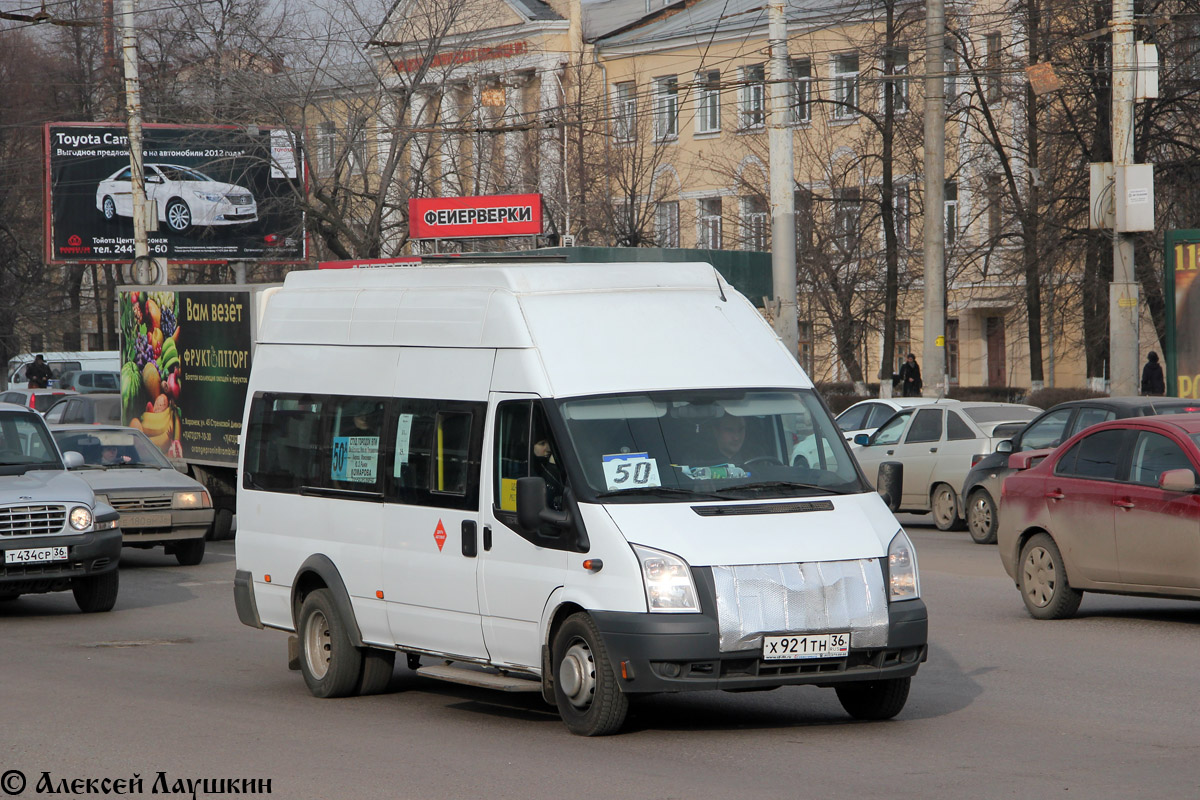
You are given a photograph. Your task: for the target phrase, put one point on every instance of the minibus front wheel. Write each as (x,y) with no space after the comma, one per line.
(329,661)
(585,688)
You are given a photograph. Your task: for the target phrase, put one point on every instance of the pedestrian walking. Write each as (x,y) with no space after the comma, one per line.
(909,377)
(1153,382)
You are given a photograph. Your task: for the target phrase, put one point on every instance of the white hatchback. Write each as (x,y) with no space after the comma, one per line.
(938,443)
(183,196)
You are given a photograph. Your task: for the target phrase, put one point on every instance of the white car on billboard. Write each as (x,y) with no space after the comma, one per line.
(183,196)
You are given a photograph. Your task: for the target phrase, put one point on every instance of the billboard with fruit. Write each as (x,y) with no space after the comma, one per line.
(185,365)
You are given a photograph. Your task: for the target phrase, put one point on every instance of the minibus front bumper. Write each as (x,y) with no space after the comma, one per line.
(680,652)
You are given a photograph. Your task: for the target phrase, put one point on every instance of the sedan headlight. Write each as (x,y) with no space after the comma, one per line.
(668,581)
(81,518)
(209,196)
(903,583)
(197,498)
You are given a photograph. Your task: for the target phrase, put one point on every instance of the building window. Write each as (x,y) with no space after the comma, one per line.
(71,340)
(994,219)
(666,223)
(1187,49)
(801,69)
(901,213)
(845,86)
(952,349)
(357,146)
(951,202)
(847,206)
(806,347)
(709,215)
(754,223)
(896,86)
(803,200)
(708,101)
(992,77)
(754,96)
(327,146)
(625,110)
(666,108)
(951,67)
(37,342)
(95,341)
(903,343)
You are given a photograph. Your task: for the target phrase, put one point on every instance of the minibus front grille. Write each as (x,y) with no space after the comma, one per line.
(763,508)
(813,597)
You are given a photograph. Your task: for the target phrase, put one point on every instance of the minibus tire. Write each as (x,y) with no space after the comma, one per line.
(874,700)
(587,695)
(378,666)
(331,665)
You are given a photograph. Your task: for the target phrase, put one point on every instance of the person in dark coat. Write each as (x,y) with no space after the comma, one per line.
(1153,382)
(909,377)
(38,373)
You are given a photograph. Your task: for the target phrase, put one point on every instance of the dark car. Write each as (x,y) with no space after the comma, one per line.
(981,489)
(86,409)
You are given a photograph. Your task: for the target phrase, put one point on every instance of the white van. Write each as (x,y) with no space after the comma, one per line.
(60,362)
(517,474)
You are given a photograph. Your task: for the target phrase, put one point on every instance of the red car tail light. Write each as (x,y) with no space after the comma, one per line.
(975,459)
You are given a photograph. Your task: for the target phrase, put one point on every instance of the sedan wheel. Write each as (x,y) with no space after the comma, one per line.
(945,509)
(1043,580)
(179,216)
(982,520)
(110,209)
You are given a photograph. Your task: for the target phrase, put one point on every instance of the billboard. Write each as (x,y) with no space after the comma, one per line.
(497,215)
(1181,290)
(185,366)
(218,193)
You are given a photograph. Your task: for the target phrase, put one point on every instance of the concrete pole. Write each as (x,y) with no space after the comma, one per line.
(783,201)
(1123,300)
(133,115)
(933,356)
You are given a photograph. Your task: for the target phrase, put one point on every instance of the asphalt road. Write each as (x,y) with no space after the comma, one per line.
(1102,706)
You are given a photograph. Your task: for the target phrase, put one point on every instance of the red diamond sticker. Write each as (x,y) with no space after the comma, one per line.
(439,535)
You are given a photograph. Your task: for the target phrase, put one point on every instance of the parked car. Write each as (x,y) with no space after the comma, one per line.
(55,534)
(981,490)
(39,400)
(92,409)
(866,416)
(1114,509)
(184,197)
(158,504)
(937,444)
(88,381)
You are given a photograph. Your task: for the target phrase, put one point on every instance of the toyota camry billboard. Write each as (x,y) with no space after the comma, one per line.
(215,193)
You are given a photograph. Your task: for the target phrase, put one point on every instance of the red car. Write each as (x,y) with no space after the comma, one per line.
(1113,509)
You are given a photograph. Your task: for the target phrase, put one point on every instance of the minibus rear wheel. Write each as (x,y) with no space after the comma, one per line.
(874,699)
(331,665)
(585,688)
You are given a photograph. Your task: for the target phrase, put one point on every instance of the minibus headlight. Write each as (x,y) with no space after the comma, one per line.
(196,499)
(903,583)
(81,518)
(668,581)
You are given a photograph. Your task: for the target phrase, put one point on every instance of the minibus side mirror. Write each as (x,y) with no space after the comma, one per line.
(531,506)
(890,483)
(862,438)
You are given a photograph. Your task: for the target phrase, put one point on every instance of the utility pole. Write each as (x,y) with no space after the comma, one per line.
(783,201)
(934,351)
(1123,300)
(133,114)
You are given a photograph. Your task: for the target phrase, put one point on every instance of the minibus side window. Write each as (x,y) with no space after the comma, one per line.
(438,445)
(352,454)
(281,442)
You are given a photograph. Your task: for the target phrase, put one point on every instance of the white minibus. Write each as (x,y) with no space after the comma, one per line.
(572,479)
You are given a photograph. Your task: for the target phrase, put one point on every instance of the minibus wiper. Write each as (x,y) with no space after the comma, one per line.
(661,491)
(777,485)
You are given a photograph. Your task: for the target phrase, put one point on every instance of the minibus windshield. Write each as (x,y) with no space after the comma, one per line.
(709,444)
